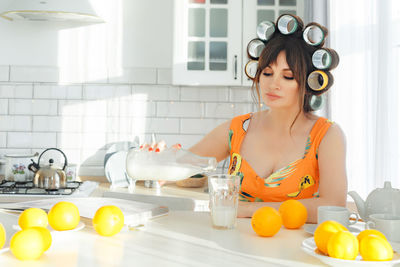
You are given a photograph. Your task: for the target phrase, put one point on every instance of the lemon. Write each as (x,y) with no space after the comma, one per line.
(33,217)
(46,235)
(64,216)
(27,244)
(324,232)
(108,220)
(2,236)
(367,232)
(375,248)
(343,245)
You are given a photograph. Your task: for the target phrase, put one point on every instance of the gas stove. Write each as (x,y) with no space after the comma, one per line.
(27,188)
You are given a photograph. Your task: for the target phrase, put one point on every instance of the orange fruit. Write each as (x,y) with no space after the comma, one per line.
(27,244)
(266,221)
(324,231)
(64,216)
(294,214)
(375,248)
(46,235)
(108,220)
(32,217)
(368,232)
(2,236)
(343,245)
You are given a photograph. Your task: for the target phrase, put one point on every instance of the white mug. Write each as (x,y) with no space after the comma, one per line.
(336,213)
(388,224)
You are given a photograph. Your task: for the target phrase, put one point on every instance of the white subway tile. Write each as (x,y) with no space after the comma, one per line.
(16,91)
(106,91)
(71,107)
(155,92)
(95,108)
(3,106)
(93,157)
(34,74)
(93,140)
(33,107)
(135,75)
(74,92)
(3,139)
(214,94)
(199,126)
(42,140)
(69,140)
(164,76)
(71,124)
(95,124)
(162,125)
(44,107)
(228,111)
(186,141)
(241,94)
(4,73)
(49,91)
(19,140)
(15,123)
(47,124)
(180,109)
(142,109)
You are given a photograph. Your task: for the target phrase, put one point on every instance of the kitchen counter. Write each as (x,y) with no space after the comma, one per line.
(182,238)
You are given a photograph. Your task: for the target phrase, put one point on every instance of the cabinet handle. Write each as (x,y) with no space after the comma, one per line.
(235,67)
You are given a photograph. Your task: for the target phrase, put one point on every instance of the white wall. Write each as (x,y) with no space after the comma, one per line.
(82,88)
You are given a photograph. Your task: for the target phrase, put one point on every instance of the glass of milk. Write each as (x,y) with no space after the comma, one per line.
(224,194)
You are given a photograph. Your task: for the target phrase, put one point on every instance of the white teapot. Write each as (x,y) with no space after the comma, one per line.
(384,200)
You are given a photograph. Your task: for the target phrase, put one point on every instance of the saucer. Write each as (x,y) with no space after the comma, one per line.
(310,228)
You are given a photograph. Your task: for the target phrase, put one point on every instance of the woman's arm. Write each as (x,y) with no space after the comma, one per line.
(332,173)
(215,144)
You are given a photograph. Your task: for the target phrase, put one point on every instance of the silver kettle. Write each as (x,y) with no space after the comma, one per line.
(49,176)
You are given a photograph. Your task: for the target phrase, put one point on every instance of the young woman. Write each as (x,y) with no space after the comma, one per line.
(284,152)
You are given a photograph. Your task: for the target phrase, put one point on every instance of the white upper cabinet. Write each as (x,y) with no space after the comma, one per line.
(210,38)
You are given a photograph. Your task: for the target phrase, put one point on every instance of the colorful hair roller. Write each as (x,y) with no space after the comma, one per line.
(325,59)
(317,102)
(254,48)
(265,30)
(319,81)
(315,34)
(289,24)
(251,69)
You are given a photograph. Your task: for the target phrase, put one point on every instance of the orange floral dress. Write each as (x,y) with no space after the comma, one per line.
(300,179)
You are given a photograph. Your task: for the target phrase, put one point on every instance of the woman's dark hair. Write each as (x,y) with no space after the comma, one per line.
(298,57)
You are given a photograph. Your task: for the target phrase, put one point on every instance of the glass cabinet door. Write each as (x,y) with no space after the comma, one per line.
(209,41)
(256,11)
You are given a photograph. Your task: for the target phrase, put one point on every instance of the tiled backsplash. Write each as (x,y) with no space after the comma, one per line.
(40,108)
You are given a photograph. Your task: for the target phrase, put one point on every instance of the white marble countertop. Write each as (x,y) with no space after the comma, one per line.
(182,238)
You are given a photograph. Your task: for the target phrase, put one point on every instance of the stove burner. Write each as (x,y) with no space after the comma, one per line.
(27,188)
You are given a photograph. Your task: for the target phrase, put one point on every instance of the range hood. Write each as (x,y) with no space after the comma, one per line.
(51,10)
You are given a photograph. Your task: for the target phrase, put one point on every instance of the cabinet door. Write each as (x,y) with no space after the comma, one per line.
(255,11)
(207,42)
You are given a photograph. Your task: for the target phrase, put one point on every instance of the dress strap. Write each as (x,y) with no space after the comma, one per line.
(237,131)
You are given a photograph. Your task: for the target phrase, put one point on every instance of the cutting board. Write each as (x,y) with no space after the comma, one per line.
(135,213)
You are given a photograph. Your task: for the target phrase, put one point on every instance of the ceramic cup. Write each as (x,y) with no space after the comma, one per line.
(388,224)
(71,172)
(336,213)
(224,195)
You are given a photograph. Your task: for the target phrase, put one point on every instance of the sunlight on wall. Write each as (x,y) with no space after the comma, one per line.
(89,53)
(92,54)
